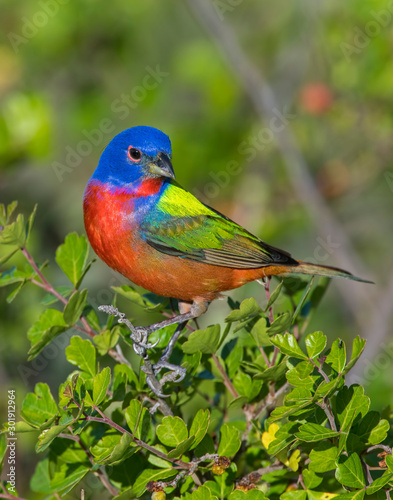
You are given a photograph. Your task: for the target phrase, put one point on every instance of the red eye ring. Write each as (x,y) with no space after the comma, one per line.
(134,154)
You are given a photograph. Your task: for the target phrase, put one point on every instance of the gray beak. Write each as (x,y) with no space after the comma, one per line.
(162,166)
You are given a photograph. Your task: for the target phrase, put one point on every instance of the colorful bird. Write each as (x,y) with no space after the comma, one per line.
(144,225)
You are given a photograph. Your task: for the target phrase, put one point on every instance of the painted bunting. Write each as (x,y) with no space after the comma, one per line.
(144,225)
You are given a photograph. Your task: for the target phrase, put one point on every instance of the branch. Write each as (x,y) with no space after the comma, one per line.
(227,382)
(328,412)
(265,103)
(117,354)
(106,420)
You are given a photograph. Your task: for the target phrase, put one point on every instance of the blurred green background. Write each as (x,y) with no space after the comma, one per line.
(74,74)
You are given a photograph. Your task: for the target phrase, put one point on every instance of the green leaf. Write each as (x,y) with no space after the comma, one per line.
(40,481)
(259,333)
(246,386)
(350,471)
(148,301)
(350,402)
(323,457)
(274,296)
(205,446)
(69,452)
(202,493)
(314,432)
(379,483)
(3,449)
(73,310)
(158,461)
(114,451)
(238,402)
(172,431)
(283,437)
(14,233)
(199,426)
(6,257)
(151,475)
(358,346)
(379,433)
(302,375)
(298,395)
(71,256)
(181,448)
(352,495)
(14,275)
(248,309)
(68,476)
(229,441)
(280,324)
(6,215)
(107,340)
(31,222)
(273,372)
(48,435)
(294,495)
(82,353)
(389,462)
(64,291)
(39,408)
(205,341)
(302,300)
(101,383)
(315,344)
(311,479)
(223,484)
(48,326)
(288,345)
(15,292)
(337,356)
(138,419)
(255,495)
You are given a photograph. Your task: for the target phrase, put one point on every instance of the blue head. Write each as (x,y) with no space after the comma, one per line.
(134,155)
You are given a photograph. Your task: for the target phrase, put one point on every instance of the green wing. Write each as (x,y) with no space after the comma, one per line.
(182,226)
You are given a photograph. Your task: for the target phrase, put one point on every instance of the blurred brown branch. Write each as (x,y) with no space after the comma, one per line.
(360,300)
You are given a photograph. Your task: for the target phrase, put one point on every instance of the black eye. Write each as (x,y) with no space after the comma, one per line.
(134,154)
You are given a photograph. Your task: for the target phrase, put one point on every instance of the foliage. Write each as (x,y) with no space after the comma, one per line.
(262,411)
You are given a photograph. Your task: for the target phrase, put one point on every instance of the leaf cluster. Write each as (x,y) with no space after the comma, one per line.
(263,411)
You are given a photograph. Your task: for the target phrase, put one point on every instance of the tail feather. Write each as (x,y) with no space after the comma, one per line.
(328,271)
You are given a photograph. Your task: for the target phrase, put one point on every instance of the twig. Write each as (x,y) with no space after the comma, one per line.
(255,477)
(320,370)
(106,420)
(328,412)
(270,400)
(45,285)
(383,447)
(266,284)
(228,384)
(367,471)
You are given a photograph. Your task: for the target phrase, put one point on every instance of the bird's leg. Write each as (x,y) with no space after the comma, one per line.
(178,373)
(198,307)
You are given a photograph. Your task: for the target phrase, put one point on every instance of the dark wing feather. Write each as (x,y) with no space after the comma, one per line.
(213,239)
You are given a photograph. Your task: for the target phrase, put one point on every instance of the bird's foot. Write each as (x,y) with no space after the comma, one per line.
(139,337)
(176,373)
